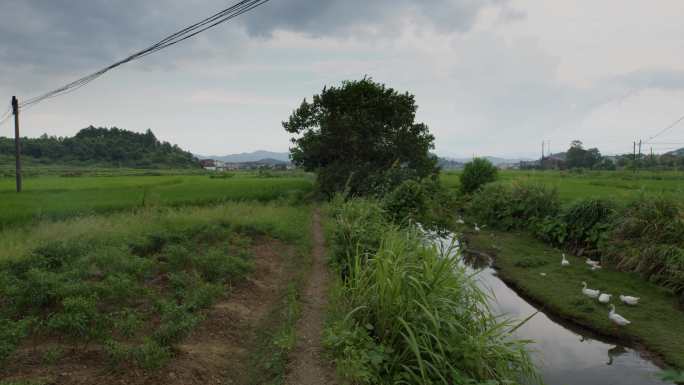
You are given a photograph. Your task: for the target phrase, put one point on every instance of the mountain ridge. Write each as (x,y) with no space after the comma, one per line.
(253,156)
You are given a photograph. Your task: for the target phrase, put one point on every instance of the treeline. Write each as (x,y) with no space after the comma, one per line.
(99,146)
(578,157)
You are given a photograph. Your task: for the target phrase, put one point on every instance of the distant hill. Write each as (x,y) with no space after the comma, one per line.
(102,147)
(495,160)
(679,152)
(255,156)
(269,161)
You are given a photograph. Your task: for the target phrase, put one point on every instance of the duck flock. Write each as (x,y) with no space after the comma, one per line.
(605,298)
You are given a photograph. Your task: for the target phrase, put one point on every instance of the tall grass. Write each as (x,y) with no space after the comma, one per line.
(406,313)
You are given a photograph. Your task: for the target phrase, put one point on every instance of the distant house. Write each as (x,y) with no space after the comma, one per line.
(208,164)
(554,162)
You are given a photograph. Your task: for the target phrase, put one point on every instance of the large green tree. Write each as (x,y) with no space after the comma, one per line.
(361,136)
(577,156)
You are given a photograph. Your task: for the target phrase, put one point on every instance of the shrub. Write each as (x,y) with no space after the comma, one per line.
(408,202)
(552,230)
(516,206)
(649,238)
(587,222)
(476,174)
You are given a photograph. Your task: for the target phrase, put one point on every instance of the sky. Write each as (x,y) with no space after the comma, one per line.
(491,77)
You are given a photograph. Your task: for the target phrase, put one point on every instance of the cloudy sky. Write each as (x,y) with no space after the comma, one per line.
(491,77)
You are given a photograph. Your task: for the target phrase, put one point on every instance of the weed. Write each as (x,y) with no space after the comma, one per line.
(11,333)
(79,319)
(151,355)
(216,266)
(127,322)
(52,355)
(176,322)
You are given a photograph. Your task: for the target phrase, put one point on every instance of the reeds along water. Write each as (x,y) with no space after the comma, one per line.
(422,308)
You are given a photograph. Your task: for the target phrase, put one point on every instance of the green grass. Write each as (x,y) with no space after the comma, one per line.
(618,185)
(62,197)
(658,322)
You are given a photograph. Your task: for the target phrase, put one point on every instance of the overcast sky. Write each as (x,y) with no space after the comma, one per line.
(491,77)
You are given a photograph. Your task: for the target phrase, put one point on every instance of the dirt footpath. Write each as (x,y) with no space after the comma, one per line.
(308,366)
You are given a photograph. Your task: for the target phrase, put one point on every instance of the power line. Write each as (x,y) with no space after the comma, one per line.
(6,115)
(664,130)
(175,38)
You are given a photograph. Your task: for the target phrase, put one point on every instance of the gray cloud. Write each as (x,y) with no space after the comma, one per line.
(58,34)
(334,17)
(45,43)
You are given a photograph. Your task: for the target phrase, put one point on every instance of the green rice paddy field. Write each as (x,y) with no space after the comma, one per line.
(618,185)
(57,197)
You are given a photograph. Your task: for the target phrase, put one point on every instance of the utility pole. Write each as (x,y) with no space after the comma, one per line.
(634,156)
(541,162)
(17,141)
(639,153)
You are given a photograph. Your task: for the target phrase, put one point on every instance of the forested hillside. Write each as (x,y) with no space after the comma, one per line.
(102,147)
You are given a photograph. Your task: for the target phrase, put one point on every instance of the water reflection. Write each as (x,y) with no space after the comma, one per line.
(563,354)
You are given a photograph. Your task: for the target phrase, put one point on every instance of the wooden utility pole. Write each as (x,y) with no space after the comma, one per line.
(634,156)
(17,141)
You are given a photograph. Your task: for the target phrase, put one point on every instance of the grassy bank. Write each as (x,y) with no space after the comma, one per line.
(62,197)
(131,286)
(402,312)
(658,322)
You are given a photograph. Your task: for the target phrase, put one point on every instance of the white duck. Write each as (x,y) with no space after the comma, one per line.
(460,221)
(629,300)
(604,298)
(596,267)
(591,293)
(565,262)
(617,318)
(591,262)
(477,228)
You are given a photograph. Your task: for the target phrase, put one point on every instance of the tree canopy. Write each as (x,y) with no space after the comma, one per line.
(577,156)
(361,136)
(103,147)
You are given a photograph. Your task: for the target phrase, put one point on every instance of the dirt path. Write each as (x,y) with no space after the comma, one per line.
(308,366)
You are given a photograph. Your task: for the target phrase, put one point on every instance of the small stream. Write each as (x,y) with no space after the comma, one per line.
(564,354)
